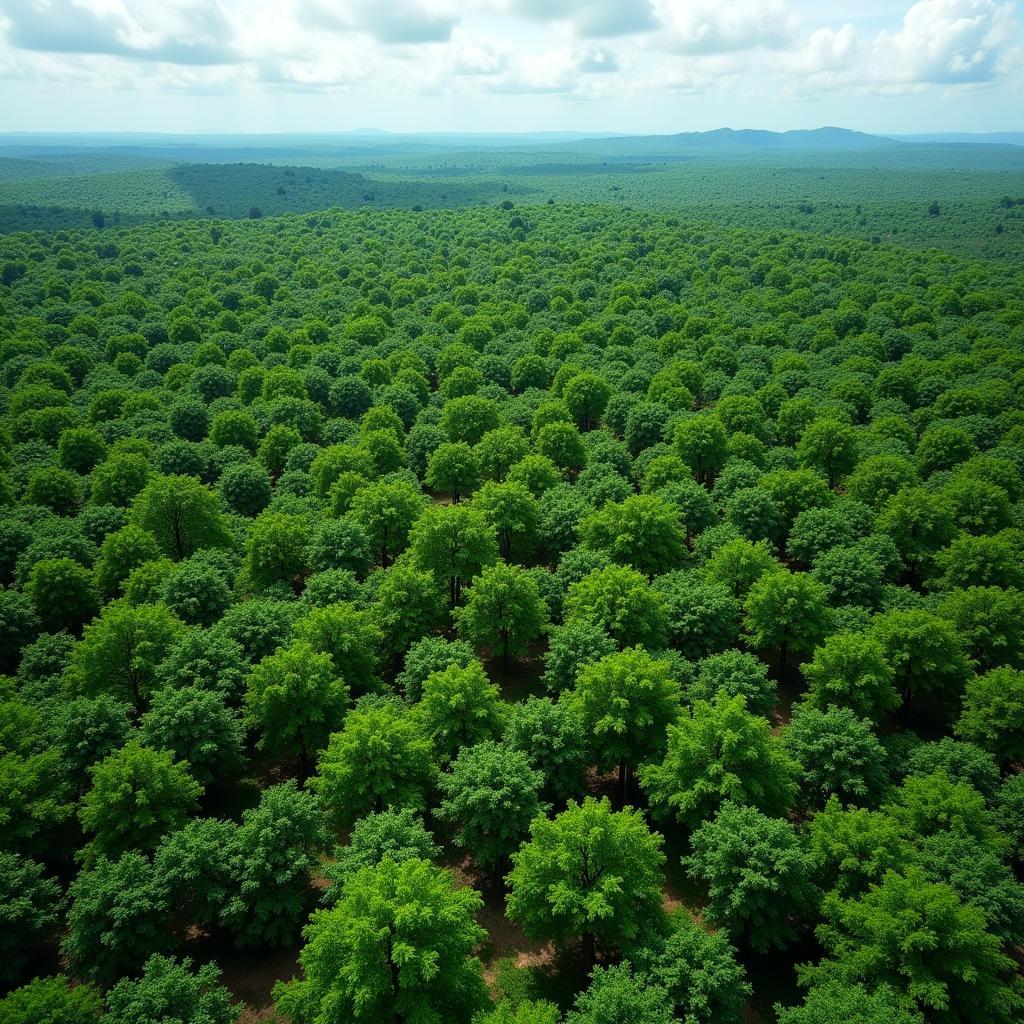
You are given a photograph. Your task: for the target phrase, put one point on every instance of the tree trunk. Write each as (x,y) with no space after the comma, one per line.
(623,783)
(783,657)
(504,650)
(589,951)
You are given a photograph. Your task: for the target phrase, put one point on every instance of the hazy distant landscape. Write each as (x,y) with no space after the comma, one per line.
(829,181)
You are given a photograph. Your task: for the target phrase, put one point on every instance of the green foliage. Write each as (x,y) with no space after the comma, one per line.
(381,758)
(399,835)
(29,905)
(551,735)
(503,611)
(840,1002)
(181,514)
(747,860)
(719,752)
(459,706)
(699,973)
(621,601)
(295,700)
(616,994)
(852,670)
(490,794)
(918,938)
(137,796)
(120,651)
(398,944)
(168,990)
(197,728)
(643,532)
(993,713)
(52,1001)
(117,917)
(625,703)
(786,612)
(589,872)
(274,849)
(838,755)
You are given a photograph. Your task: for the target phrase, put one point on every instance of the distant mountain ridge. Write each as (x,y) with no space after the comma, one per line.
(828,137)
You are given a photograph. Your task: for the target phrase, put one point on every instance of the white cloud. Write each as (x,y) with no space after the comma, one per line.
(590,19)
(945,42)
(621,50)
(180,32)
(711,26)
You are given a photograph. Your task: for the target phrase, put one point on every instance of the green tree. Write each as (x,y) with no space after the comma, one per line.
(168,990)
(926,653)
(586,396)
(459,707)
(623,603)
(920,523)
(837,753)
(993,713)
(275,849)
(503,610)
(490,795)
(137,796)
(409,605)
(276,550)
(845,1003)
(919,939)
(52,1001)
(738,564)
(295,700)
(699,972)
(852,670)
(398,945)
(589,873)
(625,702)
(396,834)
(551,736)
(786,612)
(499,450)
(701,444)
(853,847)
(117,918)
(387,511)
(120,651)
(381,758)
(644,532)
(616,996)
(181,514)
(757,875)
(62,592)
(29,906)
(453,469)
(513,513)
(122,552)
(196,727)
(453,543)
(719,752)
(351,637)
(735,672)
(468,417)
(830,447)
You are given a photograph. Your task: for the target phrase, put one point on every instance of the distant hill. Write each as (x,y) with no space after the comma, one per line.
(972,138)
(732,140)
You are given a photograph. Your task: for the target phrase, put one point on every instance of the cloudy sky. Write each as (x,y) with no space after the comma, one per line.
(509,65)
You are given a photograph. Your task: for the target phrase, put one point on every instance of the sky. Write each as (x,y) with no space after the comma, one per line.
(509,65)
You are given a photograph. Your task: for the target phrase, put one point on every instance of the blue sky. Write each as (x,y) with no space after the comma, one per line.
(509,65)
